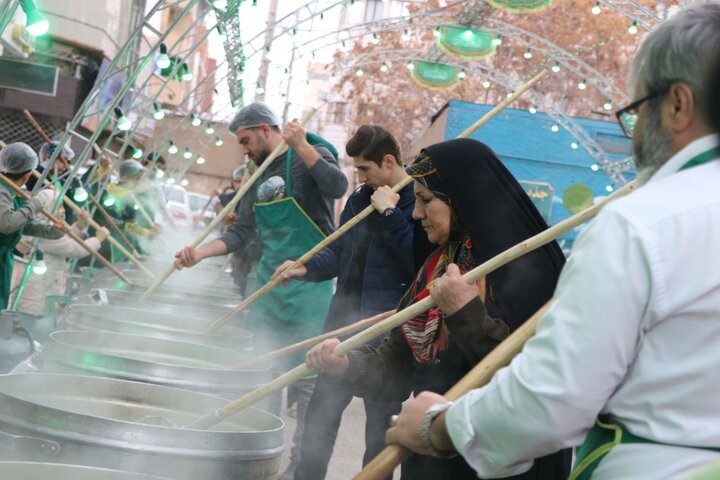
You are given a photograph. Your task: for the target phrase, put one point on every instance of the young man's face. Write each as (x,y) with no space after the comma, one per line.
(371,174)
(254,143)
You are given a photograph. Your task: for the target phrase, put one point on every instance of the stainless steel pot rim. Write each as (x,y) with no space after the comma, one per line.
(69,469)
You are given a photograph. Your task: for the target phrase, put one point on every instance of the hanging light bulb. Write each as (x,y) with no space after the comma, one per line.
(375,39)
(556,68)
(220,4)
(581,85)
(210,129)
(436,32)
(574,145)
(528,54)
(35,23)
(163,61)
(359,72)
(594,167)
(410,65)
(259,89)
(136,207)
(170,180)
(123,123)
(405,35)
(468,33)
(187,74)
(221,33)
(109,201)
(137,153)
(633,29)
(80,194)
(159,173)
(39,267)
(497,41)
(195,121)
(172,149)
(184,182)
(200,160)
(532,110)
(159,112)
(188,153)
(596,9)
(384,67)
(608,105)
(555,128)
(486,84)
(462,74)
(218,142)
(609,188)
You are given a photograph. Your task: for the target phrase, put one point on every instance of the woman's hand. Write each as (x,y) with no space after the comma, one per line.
(451,292)
(323,358)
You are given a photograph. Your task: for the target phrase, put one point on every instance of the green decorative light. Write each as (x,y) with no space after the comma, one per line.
(480,44)
(172,149)
(80,194)
(521,6)
(137,153)
(435,75)
(109,201)
(163,60)
(218,141)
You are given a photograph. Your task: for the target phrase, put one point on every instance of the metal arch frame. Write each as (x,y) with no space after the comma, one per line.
(609,167)
(634,11)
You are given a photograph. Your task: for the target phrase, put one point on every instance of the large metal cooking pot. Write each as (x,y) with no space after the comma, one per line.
(116,424)
(176,292)
(44,471)
(149,323)
(187,280)
(130,357)
(191,305)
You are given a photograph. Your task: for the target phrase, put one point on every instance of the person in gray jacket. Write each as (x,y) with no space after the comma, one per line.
(17,216)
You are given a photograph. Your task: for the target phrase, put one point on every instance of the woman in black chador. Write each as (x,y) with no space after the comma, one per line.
(472,208)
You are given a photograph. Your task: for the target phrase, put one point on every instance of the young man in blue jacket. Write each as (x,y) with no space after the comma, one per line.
(374,265)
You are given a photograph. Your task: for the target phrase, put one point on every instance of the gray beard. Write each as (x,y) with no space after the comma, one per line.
(654,149)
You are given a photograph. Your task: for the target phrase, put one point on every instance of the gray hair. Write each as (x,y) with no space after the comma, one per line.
(678,50)
(254,115)
(17,158)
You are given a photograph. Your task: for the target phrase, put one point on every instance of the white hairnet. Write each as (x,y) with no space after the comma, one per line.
(129,169)
(48,149)
(254,115)
(17,158)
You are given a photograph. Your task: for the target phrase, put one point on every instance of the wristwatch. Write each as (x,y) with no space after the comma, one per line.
(388,211)
(430,415)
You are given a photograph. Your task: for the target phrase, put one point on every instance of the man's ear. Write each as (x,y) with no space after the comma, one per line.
(389,160)
(680,108)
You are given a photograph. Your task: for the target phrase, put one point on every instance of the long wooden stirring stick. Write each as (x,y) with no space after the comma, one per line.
(230,207)
(69,233)
(113,226)
(411,311)
(311,342)
(365,212)
(385,462)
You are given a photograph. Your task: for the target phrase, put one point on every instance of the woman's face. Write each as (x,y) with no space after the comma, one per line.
(433,213)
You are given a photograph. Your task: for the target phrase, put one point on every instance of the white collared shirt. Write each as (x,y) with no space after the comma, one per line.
(634,332)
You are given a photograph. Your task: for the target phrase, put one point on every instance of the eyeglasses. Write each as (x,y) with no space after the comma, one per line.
(628,116)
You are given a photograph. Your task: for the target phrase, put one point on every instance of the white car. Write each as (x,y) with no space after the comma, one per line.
(178,205)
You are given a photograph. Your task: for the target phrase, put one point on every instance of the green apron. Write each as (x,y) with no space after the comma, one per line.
(605,435)
(295,312)
(8,241)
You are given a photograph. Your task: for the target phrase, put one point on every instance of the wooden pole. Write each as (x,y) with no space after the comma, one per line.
(311,342)
(97,226)
(366,212)
(111,223)
(392,456)
(230,207)
(69,233)
(411,311)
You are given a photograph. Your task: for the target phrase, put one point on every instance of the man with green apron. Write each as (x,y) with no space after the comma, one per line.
(626,363)
(291,209)
(17,161)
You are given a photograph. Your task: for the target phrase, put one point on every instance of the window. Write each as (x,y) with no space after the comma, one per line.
(373,10)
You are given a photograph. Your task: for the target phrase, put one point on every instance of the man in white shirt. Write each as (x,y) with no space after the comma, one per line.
(633,337)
